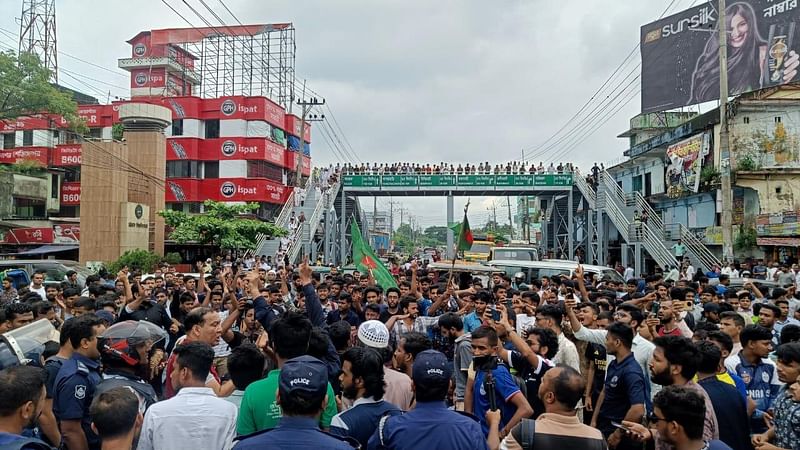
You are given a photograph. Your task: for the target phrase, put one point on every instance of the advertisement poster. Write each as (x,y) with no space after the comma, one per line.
(66,234)
(685,161)
(680,53)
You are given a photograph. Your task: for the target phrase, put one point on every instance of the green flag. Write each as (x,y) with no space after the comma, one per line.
(464,235)
(367,261)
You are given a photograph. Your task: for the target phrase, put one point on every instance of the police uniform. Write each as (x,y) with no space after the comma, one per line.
(117,378)
(309,376)
(430,424)
(297,433)
(74,390)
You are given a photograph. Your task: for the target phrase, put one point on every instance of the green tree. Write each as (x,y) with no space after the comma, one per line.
(436,235)
(25,90)
(223,225)
(136,261)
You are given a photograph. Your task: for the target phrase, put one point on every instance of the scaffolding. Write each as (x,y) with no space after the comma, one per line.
(250,60)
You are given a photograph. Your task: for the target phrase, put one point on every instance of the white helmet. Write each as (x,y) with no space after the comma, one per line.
(373,333)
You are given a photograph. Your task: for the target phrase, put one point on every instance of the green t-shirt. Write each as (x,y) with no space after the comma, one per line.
(260,411)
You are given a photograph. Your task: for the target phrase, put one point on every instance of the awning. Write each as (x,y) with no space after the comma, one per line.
(48,249)
(778,241)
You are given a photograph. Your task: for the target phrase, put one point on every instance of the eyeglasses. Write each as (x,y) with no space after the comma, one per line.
(653,418)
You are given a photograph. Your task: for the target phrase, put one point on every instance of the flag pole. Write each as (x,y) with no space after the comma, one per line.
(455,250)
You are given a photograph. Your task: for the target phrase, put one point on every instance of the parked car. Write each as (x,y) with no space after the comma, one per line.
(55,270)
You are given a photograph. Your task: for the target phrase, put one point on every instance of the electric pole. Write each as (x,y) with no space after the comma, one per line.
(307,106)
(724,142)
(510,222)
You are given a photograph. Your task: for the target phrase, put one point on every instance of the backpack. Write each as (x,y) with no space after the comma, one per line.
(26,444)
(527,433)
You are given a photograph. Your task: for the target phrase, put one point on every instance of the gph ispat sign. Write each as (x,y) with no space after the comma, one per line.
(226,190)
(71,193)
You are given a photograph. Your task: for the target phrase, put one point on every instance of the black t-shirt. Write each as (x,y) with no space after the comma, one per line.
(596,353)
(532,376)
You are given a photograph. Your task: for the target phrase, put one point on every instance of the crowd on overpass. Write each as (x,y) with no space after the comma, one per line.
(484,168)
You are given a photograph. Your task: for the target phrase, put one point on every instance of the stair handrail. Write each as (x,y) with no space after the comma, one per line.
(312,223)
(588,192)
(655,246)
(618,218)
(698,248)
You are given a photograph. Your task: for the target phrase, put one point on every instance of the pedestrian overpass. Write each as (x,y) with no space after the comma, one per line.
(575,215)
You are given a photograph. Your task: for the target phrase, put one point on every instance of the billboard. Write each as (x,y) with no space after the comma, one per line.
(682,174)
(71,193)
(680,59)
(67,155)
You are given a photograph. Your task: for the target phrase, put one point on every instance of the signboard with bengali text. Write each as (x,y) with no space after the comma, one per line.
(499,182)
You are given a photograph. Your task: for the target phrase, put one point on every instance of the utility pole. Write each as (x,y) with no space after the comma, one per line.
(510,222)
(724,142)
(307,106)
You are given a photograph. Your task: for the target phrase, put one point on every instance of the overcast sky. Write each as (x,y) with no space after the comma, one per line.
(413,80)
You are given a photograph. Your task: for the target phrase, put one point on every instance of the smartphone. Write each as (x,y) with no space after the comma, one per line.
(495,313)
(654,308)
(619,425)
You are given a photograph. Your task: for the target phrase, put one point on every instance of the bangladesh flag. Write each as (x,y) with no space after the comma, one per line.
(367,261)
(463,235)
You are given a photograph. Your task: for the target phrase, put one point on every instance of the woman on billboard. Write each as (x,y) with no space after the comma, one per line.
(747,58)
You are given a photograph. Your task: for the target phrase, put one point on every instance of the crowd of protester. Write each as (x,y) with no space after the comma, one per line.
(265,355)
(407,168)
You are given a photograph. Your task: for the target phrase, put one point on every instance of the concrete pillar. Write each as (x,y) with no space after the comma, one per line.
(450,220)
(343,231)
(570,226)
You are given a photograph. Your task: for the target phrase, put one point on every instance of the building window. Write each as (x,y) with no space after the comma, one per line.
(195,208)
(175,206)
(212,129)
(746,119)
(27,138)
(28,208)
(72,174)
(54,185)
(263,169)
(777,119)
(211,169)
(177,127)
(183,169)
(9,140)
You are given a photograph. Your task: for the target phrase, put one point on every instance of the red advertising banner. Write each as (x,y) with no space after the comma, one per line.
(183,148)
(67,155)
(71,193)
(99,115)
(293,127)
(38,155)
(27,123)
(155,77)
(254,149)
(225,190)
(183,107)
(30,236)
(246,108)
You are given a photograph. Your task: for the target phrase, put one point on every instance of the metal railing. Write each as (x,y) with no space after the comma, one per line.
(696,247)
(588,192)
(651,236)
(323,201)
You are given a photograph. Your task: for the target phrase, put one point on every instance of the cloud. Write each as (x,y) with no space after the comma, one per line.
(415,80)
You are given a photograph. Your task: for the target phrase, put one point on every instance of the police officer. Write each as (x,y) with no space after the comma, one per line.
(125,352)
(430,424)
(302,395)
(75,385)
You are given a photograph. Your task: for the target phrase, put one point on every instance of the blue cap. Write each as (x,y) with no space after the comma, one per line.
(304,374)
(105,315)
(431,366)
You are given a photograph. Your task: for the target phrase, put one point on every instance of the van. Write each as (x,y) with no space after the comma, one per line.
(516,253)
(535,270)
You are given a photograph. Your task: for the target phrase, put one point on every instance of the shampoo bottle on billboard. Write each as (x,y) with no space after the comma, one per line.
(781,37)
